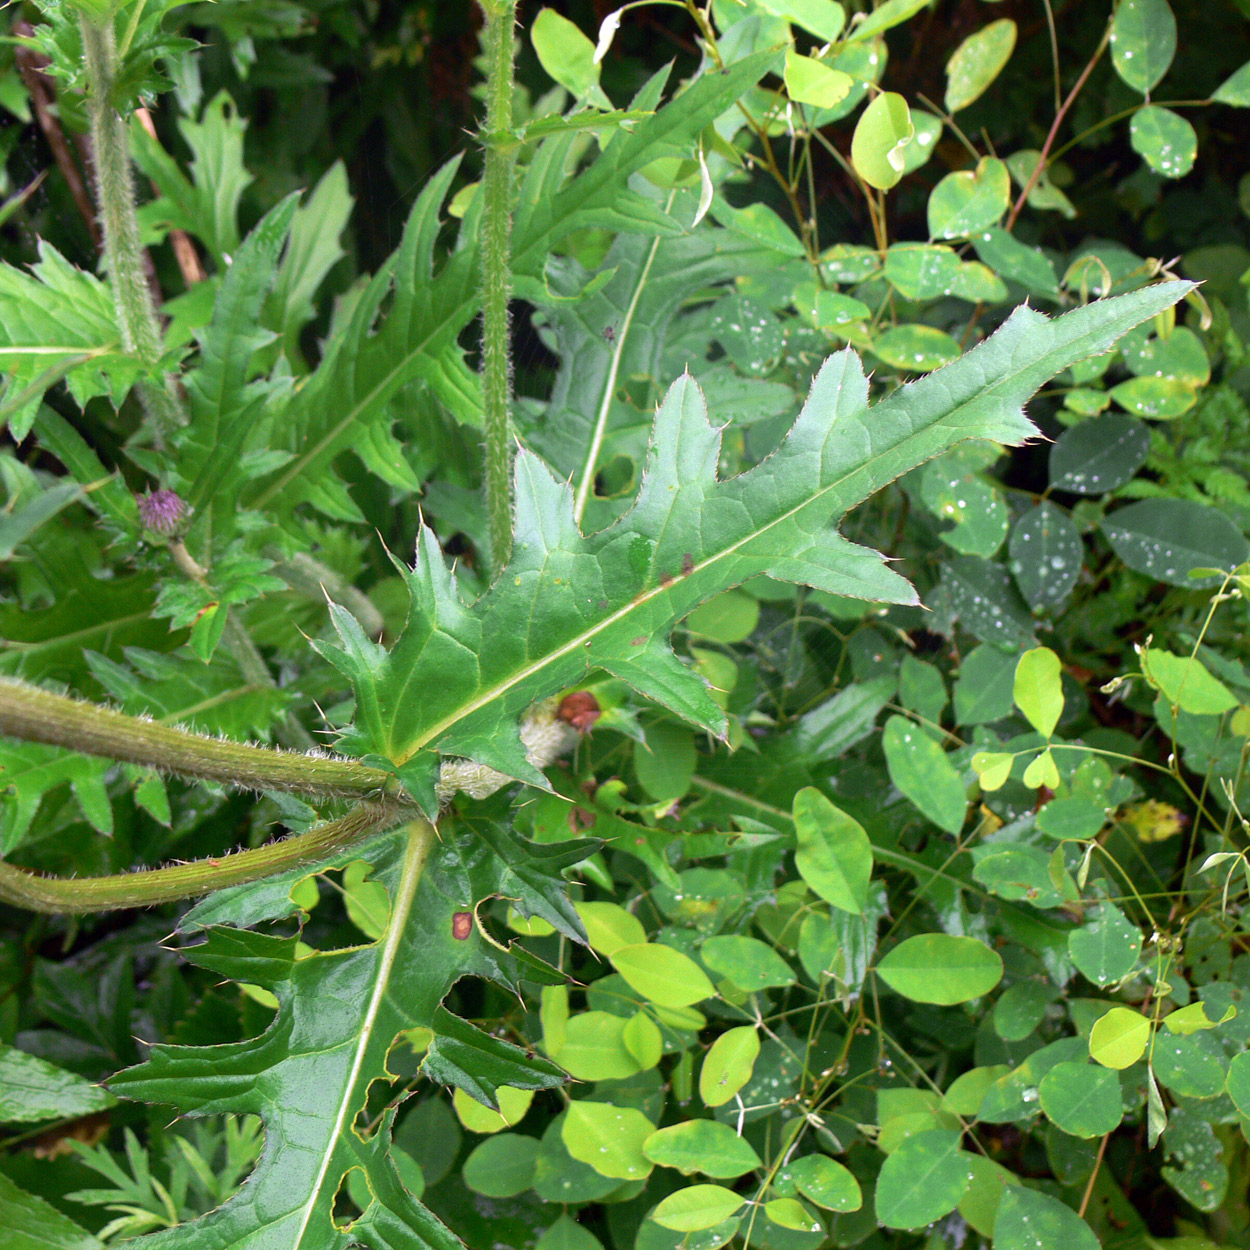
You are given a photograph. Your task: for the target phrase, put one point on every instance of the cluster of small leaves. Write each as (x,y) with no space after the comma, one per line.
(848,921)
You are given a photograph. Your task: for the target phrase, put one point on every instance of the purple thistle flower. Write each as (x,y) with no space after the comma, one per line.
(161,511)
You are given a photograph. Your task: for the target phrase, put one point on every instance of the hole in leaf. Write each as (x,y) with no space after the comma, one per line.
(618,477)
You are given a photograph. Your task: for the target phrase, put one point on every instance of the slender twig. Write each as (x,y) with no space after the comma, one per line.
(39,87)
(36,715)
(1062,112)
(497,277)
(184,250)
(69,896)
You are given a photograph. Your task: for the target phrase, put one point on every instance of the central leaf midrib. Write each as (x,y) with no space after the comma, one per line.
(502,688)
(420,838)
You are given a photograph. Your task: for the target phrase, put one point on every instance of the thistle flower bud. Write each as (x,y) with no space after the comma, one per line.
(162,511)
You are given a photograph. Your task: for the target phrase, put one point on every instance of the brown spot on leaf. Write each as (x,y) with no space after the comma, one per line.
(461,925)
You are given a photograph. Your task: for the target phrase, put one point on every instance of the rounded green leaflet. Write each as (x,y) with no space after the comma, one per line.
(790,1213)
(983,597)
(1081,1099)
(966,1092)
(969,200)
(1235,89)
(663,975)
(502,1166)
(728,1065)
(1028,1220)
(881,137)
(609,927)
(729,617)
(1075,818)
(941,968)
(608,1139)
(915,348)
(513,1104)
(1105,949)
(697,1207)
(1038,690)
(706,1146)
(1021,1008)
(567,55)
(1143,42)
(1046,554)
(1010,258)
(1186,683)
(979,1206)
(828,309)
(983,688)
(653,1236)
(666,764)
(1155,399)
(922,771)
(1238,1082)
(822,18)
(834,855)
(747,962)
(1119,1038)
(594,1048)
(558,1177)
(1178,355)
(1018,873)
(643,1039)
(1165,538)
(826,1183)
(1193,1067)
(977,62)
(567,1234)
(923,1179)
(809,81)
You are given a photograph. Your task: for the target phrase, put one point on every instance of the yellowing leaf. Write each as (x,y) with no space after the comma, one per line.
(881,137)
(977,62)
(728,1065)
(662,975)
(808,81)
(1038,690)
(1119,1038)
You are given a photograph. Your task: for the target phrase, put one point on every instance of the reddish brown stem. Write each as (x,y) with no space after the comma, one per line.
(30,65)
(184,250)
(1054,128)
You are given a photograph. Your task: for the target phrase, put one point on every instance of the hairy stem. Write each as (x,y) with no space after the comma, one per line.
(123,252)
(36,715)
(61,896)
(497,277)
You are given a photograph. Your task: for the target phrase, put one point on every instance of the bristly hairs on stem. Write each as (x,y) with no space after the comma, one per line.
(140,331)
(497,276)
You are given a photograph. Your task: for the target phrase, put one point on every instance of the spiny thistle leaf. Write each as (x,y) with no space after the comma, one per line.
(418,335)
(340,1013)
(459,677)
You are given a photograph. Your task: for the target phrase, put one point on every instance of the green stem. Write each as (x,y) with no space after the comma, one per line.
(68,896)
(308,576)
(246,654)
(35,715)
(497,277)
(123,250)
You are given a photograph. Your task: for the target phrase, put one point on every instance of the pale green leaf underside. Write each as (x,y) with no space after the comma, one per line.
(459,676)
